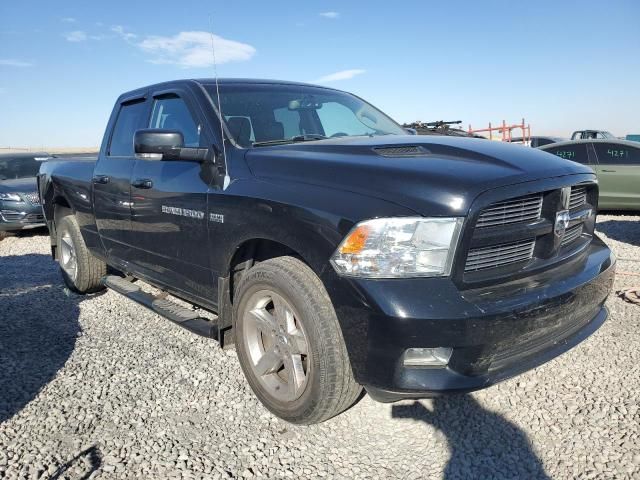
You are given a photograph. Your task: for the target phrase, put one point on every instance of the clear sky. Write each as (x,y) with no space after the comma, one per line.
(563,65)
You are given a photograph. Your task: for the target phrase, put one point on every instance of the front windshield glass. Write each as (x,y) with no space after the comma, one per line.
(14,168)
(256,113)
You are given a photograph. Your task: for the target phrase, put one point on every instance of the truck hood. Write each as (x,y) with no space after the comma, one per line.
(26,185)
(443,179)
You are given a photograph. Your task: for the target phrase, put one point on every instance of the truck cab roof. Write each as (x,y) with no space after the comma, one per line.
(212,81)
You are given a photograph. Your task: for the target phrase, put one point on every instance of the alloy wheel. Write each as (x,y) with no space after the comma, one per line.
(68,259)
(277,345)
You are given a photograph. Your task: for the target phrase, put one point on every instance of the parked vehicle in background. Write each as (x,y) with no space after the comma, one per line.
(538,141)
(336,250)
(75,156)
(439,128)
(19,201)
(592,135)
(617,165)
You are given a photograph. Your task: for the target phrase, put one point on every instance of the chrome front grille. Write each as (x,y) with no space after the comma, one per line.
(33,197)
(499,255)
(578,197)
(522,232)
(571,234)
(515,210)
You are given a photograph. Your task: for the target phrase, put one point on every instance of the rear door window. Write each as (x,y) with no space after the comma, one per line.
(575,153)
(131,117)
(617,154)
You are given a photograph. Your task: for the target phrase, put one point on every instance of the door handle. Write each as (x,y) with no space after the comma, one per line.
(609,171)
(101,179)
(142,183)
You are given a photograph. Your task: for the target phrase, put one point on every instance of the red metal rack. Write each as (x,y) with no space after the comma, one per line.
(505,130)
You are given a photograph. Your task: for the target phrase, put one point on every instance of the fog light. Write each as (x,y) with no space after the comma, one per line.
(427,357)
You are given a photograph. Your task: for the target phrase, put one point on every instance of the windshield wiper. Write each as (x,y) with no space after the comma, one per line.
(307,137)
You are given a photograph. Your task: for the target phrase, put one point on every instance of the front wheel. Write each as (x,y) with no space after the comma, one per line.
(82,272)
(289,343)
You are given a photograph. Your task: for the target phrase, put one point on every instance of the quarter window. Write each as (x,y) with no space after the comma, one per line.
(172,114)
(130,118)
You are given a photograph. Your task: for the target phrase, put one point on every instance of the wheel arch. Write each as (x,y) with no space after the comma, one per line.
(56,207)
(258,249)
(243,256)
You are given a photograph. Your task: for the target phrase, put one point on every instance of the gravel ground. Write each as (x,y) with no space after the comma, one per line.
(98,387)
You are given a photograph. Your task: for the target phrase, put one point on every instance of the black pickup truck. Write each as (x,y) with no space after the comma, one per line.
(335,250)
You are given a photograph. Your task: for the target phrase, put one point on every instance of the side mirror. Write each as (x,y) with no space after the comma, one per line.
(160,144)
(411,131)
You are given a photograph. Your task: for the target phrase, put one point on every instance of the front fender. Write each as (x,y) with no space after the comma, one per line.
(308,219)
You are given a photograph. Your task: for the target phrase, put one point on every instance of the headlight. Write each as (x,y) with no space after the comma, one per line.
(399,248)
(12,197)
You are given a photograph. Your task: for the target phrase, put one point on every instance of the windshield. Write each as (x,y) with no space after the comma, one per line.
(273,113)
(20,167)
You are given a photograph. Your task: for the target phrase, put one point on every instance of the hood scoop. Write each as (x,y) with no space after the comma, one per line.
(401,151)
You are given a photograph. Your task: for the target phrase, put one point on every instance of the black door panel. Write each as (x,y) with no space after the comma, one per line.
(112,181)
(169,208)
(169,225)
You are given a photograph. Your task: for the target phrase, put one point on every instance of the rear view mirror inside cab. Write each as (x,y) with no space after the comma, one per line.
(305,103)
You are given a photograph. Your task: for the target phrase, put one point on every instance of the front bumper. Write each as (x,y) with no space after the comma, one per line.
(496,332)
(20,216)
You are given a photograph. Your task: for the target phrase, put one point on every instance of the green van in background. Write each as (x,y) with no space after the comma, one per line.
(616,163)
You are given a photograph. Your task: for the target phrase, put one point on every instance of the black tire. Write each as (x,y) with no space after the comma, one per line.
(89,269)
(330,387)
(3,234)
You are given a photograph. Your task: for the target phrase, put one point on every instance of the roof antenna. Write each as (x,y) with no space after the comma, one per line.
(227,179)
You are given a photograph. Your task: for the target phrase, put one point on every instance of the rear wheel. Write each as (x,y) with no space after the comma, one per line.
(289,343)
(82,272)
(3,234)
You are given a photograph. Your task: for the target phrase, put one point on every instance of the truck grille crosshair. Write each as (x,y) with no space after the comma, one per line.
(539,210)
